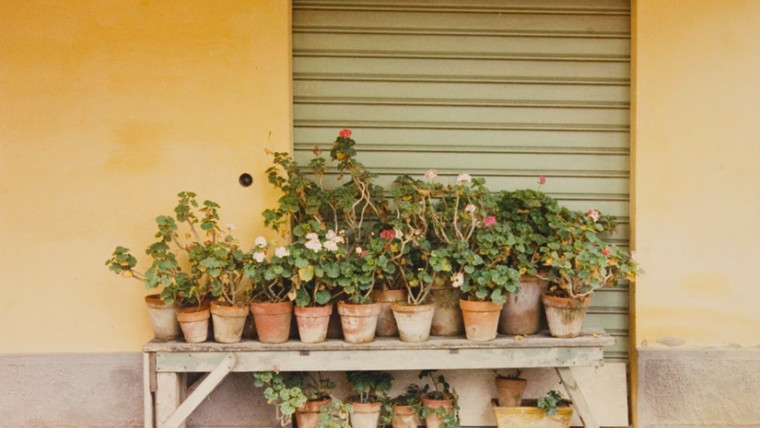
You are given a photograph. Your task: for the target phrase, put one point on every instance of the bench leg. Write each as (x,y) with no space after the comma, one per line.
(148,391)
(169,394)
(579,401)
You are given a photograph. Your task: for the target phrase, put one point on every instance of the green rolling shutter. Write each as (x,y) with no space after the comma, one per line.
(503,89)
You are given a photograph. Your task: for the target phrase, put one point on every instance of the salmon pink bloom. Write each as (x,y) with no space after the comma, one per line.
(345,133)
(606,251)
(594,214)
(431,174)
(541,179)
(489,221)
(388,234)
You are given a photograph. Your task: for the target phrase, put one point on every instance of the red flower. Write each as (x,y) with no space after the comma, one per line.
(363,253)
(345,133)
(606,251)
(541,179)
(388,234)
(489,221)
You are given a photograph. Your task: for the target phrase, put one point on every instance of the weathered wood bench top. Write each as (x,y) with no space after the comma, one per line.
(539,350)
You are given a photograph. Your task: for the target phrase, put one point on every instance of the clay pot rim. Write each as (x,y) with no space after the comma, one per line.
(475,306)
(193,314)
(565,302)
(155,301)
(227,310)
(271,308)
(313,311)
(399,293)
(363,309)
(360,407)
(409,309)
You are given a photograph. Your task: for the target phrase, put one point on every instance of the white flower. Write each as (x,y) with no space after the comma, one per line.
(470,208)
(313,245)
(259,256)
(398,233)
(261,241)
(457,280)
(463,178)
(231,227)
(312,236)
(331,246)
(281,252)
(331,235)
(359,250)
(431,174)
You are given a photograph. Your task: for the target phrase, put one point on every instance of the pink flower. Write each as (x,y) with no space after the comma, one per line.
(431,174)
(363,253)
(345,133)
(606,251)
(594,214)
(388,234)
(489,221)
(463,178)
(541,179)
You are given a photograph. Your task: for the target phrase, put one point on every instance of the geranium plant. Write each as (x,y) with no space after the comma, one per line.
(581,260)
(191,264)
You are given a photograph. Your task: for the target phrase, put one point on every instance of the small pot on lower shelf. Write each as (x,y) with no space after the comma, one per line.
(433,419)
(510,391)
(365,415)
(307,416)
(404,417)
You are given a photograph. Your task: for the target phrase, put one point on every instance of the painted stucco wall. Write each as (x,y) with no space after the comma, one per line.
(109,109)
(697,170)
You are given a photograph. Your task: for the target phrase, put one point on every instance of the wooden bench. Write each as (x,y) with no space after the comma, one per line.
(168,403)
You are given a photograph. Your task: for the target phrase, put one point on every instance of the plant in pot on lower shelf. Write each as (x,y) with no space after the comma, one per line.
(283,391)
(370,390)
(440,403)
(510,388)
(405,408)
(549,411)
(581,262)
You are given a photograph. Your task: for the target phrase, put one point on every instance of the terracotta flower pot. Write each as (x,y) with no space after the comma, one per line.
(313,322)
(510,391)
(386,322)
(307,416)
(413,321)
(228,322)
(432,420)
(523,312)
(358,321)
(163,318)
(194,323)
(404,417)
(565,315)
(272,320)
(447,318)
(481,319)
(365,415)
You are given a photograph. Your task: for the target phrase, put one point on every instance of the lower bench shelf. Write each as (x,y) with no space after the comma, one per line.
(167,404)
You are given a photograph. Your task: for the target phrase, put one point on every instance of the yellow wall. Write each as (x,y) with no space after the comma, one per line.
(697,170)
(109,108)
